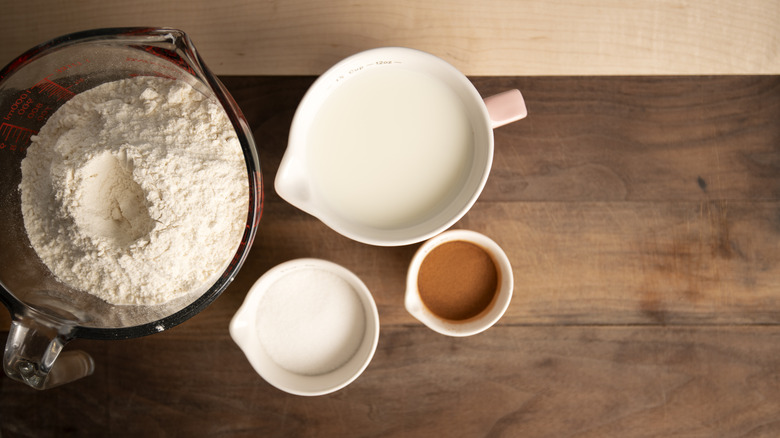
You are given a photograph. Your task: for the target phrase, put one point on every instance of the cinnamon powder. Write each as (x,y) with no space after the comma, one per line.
(457,280)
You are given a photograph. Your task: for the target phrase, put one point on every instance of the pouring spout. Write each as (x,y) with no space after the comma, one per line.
(292,183)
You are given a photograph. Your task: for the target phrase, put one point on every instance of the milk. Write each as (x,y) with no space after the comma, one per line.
(389,146)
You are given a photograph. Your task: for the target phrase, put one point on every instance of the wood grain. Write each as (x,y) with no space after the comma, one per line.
(508,382)
(640,200)
(506,37)
(641,216)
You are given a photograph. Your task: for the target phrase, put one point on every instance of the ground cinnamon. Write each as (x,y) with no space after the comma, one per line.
(457,280)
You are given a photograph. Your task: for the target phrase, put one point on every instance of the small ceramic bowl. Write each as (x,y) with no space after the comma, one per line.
(484,320)
(291,371)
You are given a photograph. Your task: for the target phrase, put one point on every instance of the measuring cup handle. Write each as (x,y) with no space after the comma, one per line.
(504,108)
(31,350)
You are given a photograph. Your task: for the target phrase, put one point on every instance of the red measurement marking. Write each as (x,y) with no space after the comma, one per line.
(10,136)
(52,89)
(9,132)
(171,56)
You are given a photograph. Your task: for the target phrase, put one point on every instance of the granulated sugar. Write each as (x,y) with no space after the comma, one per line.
(310,321)
(136,191)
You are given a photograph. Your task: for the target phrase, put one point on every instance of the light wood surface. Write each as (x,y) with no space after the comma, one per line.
(641,217)
(503,37)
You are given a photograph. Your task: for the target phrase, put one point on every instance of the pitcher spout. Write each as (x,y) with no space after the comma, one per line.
(293,186)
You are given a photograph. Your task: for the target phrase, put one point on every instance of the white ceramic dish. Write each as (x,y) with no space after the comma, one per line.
(296,180)
(243,330)
(488,317)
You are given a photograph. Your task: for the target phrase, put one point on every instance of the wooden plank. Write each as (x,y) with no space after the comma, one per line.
(507,37)
(639,139)
(582,263)
(639,200)
(508,381)
(638,263)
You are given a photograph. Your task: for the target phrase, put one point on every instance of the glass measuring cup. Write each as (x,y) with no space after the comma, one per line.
(46,313)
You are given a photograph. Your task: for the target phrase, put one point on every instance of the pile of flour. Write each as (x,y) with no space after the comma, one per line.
(136,191)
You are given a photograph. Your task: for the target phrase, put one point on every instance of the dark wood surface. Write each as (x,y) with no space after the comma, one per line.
(642,219)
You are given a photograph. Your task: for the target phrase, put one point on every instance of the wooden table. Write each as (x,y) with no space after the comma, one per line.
(500,37)
(642,218)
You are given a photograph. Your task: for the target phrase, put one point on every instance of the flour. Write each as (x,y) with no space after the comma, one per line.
(136,191)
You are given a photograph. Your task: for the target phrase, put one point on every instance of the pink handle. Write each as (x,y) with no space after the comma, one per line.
(506,107)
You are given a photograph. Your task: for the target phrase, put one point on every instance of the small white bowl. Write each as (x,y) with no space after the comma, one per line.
(243,330)
(479,323)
